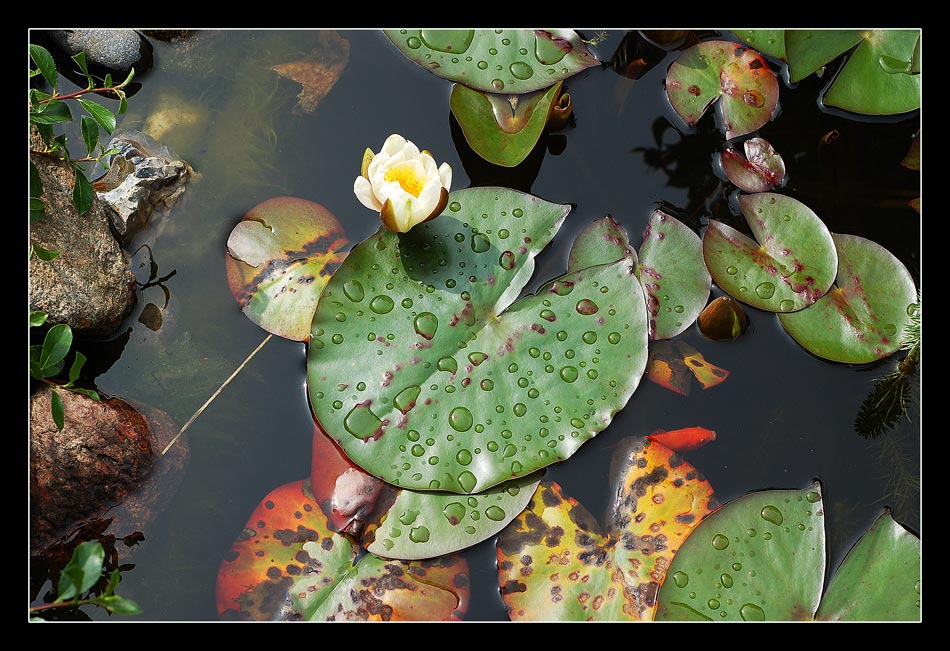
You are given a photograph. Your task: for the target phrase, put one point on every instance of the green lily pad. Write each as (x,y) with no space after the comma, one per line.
(674,364)
(860,319)
(887,555)
(426,524)
(503,129)
(448,380)
(280,257)
(287,565)
(790,267)
(406,524)
(673,275)
(495,61)
(878,77)
(670,267)
(760,557)
(760,170)
(603,241)
(556,563)
(770,42)
(737,76)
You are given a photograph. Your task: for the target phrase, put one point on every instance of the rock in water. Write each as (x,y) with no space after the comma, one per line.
(89,285)
(143,176)
(116,49)
(105,466)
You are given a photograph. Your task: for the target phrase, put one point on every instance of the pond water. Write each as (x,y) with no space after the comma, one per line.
(783,416)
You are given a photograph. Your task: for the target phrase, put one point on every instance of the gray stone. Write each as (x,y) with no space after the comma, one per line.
(143,176)
(89,285)
(118,49)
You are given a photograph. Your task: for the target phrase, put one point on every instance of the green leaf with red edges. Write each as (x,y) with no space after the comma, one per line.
(760,557)
(685,439)
(862,318)
(280,257)
(674,365)
(760,170)
(504,129)
(740,78)
(879,77)
(601,242)
(555,562)
(407,524)
(770,42)
(496,60)
(287,564)
(673,275)
(790,264)
(879,579)
(452,370)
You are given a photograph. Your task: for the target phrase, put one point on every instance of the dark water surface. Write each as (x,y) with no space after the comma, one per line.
(783,417)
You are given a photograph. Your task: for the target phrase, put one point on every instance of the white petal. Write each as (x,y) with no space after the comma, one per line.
(428,164)
(428,200)
(379,160)
(445,173)
(402,209)
(393,143)
(410,150)
(364,192)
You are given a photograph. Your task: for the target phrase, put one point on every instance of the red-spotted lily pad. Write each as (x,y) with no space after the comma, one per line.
(674,364)
(405,524)
(555,562)
(862,318)
(760,170)
(601,242)
(790,264)
(288,565)
(762,558)
(770,42)
(453,389)
(670,267)
(740,78)
(880,76)
(503,129)
(683,440)
(496,60)
(280,256)
(673,275)
(887,555)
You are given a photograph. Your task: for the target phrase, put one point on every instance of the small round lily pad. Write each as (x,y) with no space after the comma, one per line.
(280,257)
(739,77)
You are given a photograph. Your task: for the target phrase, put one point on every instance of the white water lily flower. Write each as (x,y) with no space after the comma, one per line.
(403,184)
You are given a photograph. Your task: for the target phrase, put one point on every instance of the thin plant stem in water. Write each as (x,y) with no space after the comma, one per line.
(214,395)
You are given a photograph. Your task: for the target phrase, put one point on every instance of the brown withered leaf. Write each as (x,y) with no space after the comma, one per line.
(318,72)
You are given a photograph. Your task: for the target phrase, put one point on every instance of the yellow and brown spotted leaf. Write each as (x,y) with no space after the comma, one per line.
(318,71)
(280,257)
(674,364)
(384,590)
(285,538)
(287,565)
(555,562)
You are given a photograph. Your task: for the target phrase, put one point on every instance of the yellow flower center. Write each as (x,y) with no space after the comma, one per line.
(405,175)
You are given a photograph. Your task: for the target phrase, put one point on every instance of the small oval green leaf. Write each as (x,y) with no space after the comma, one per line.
(82,571)
(90,134)
(56,345)
(44,61)
(103,116)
